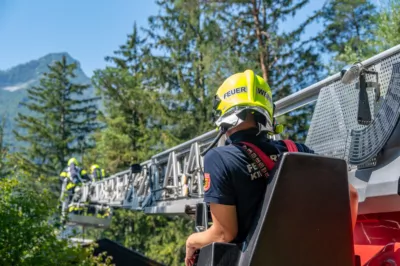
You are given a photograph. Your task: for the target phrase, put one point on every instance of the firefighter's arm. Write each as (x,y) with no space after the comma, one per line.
(63,175)
(353,204)
(223,229)
(66,175)
(219,192)
(352,190)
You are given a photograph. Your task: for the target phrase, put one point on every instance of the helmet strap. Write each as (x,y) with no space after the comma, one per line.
(259,125)
(220,133)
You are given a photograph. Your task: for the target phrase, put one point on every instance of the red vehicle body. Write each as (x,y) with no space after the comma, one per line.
(377,239)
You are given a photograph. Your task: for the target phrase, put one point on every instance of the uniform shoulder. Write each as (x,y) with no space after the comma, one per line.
(304,148)
(300,146)
(220,152)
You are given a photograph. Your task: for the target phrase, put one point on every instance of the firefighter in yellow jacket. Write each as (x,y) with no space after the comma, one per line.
(97,173)
(74,173)
(74,176)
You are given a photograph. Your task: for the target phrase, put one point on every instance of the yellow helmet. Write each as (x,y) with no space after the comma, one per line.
(74,161)
(240,92)
(94,167)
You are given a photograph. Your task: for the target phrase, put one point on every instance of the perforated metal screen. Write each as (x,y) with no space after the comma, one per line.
(334,130)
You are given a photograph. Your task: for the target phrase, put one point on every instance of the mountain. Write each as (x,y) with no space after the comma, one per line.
(15,81)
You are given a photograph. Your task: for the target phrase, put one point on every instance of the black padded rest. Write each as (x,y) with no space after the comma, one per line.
(305,217)
(218,254)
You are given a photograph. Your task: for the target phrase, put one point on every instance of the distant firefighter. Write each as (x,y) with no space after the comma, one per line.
(97,173)
(72,176)
(74,173)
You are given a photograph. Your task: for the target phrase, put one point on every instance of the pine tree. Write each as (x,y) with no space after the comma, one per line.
(59,122)
(133,128)
(188,66)
(136,129)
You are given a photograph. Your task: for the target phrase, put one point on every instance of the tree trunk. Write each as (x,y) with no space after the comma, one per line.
(255,13)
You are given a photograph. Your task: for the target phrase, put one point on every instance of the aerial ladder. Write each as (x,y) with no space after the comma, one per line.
(354,131)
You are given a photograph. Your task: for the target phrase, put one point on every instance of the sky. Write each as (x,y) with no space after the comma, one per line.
(88,30)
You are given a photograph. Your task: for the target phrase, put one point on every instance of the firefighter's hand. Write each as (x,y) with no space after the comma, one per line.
(189,259)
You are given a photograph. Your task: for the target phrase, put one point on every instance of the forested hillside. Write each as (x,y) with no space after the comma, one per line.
(158,88)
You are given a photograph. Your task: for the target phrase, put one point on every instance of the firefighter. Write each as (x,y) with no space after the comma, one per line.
(74,176)
(68,176)
(233,186)
(97,173)
(74,172)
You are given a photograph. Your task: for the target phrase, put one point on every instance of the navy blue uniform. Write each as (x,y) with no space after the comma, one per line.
(231,178)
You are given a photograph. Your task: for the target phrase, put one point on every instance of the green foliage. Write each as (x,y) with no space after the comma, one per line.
(28,231)
(204,43)
(349,27)
(131,115)
(91,260)
(387,33)
(161,238)
(284,59)
(190,67)
(357,30)
(60,121)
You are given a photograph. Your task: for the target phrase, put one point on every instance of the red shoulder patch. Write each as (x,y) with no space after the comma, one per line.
(207,181)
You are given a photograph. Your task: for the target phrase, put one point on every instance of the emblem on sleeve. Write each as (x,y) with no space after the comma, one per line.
(207,181)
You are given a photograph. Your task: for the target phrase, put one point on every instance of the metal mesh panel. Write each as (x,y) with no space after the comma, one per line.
(368,141)
(334,130)
(328,131)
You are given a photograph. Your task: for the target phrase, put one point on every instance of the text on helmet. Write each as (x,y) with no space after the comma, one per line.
(234,91)
(264,93)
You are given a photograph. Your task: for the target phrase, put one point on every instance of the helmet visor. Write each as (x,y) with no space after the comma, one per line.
(216,113)
(230,117)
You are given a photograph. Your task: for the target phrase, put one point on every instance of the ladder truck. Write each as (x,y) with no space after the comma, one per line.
(356,136)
